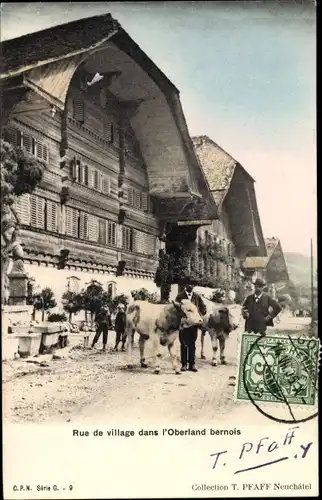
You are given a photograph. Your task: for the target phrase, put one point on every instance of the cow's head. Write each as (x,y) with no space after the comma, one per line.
(188,312)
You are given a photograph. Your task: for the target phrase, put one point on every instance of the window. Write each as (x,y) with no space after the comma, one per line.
(37,212)
(102,231)
(130,196)
(86,176)
(22,206)
(95,179)
(111,233)
(107,232)
(33,146)
(73,284)
(144,202)
(137,199)
(83,226)
(127,238)
(93,228)
(71,222)
(52,216)
(106,185)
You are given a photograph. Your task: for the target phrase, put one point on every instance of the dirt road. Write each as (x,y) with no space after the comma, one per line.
(95,387)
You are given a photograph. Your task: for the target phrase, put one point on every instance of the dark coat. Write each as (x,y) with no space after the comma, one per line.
(120,322)
(103,318)
(260,315)
(195,299)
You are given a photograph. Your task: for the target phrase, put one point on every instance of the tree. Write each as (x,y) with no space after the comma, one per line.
(94,298)
(119,299)
(20,173)
(45,301)
(72,303)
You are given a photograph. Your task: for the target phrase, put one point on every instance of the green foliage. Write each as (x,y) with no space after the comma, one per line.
(20,172)
(72,303)
(94,297)
(30,291)
(119,299)
(45,300)
(144,294)
(57,317)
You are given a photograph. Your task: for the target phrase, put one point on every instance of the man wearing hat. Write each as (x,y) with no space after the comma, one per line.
(103,324)
(188,336)
(259,310)
(120,326)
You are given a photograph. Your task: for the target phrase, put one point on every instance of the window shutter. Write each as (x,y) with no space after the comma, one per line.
(79,171)
(111,233)
(22,206)
(95,179)
(127,238)
(29,143)
(90,177)
(92,228)
(72,167)
(144,199)
(78,110)
(102,232)
(86,175)
(137,199)
(52,216)
(37,211)
(11,135)
(100,182)
(83,226)
(130,196)
(107,131)
(106,184)
(139,242)
(39,150)
(71,222)
(19,138)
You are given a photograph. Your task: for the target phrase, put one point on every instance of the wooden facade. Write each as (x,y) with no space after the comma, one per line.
(237,231)
(272,269)
(121,169)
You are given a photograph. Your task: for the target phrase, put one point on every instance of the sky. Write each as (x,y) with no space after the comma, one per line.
(246,72)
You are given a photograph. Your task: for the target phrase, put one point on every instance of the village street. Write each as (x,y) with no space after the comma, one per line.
(92,387)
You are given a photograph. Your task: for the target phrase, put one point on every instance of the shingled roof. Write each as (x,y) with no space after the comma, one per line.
(65,40)
(218,166)
(261,262)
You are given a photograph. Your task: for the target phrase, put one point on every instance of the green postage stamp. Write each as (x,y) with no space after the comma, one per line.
(278,369)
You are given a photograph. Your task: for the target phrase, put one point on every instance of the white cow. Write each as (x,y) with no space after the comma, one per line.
(160,323)
(219,321)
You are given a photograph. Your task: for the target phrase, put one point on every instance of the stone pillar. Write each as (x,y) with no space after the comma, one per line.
(18,280)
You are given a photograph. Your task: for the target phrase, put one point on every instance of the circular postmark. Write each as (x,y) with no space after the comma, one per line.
(281,370)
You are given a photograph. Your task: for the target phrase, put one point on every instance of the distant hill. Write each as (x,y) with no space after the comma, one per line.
(299,268)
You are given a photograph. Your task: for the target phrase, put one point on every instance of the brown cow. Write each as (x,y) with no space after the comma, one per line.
(219,321)
(160,323)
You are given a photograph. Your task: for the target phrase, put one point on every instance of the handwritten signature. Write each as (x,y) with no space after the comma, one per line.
(265,443)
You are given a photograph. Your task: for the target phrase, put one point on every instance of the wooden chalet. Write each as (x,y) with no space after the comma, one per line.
(272,268)
(237,231)
(122,173)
